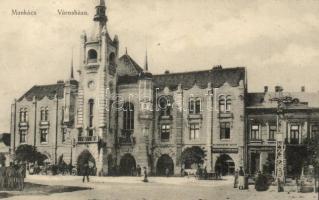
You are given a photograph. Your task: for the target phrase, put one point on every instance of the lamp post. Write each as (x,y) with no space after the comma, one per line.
(280,162)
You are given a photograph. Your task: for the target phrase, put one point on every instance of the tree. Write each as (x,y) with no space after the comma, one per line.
(192,155)
(29,153)
(313,151)
(2,159)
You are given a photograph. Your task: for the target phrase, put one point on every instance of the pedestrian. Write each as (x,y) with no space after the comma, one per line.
(86,172)
(241,179)
(139,170)
(145,175)
(205,173)
(167,172)
(236,179)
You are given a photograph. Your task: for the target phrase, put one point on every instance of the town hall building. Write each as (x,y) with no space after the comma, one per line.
(122,116)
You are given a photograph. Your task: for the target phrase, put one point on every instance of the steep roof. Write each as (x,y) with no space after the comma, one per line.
(40,91)
(217,77)
(263,100)
(127,66)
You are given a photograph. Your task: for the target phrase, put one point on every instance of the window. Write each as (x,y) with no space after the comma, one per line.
(112,59)
(44,114)
(225,130)
(164,106)
(221,104)
(92,55)
(254,132)
(91,112)
(23,136)
(128,116)
(165,131)
(272,131)
(314,130)
(64,134)
(194,106)
(193,131)
(294,134)
(44,135)
(228,103)
(23,115)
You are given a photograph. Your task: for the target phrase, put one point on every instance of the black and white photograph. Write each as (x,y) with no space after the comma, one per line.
(159,99)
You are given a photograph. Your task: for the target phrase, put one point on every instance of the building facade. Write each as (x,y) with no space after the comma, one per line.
(296,119)
(119,115)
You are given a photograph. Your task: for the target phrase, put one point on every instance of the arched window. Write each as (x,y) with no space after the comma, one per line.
(42,113)
(164,105)
(23,115)
(92,55)
(91,115)
(221,103)
(112,58)
(194,105)
(128,116)
(46,114)
(228,103)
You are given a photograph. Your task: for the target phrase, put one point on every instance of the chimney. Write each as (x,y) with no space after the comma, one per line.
(278,88)
(265,89)
(303,89)
(60,82)
(166,72)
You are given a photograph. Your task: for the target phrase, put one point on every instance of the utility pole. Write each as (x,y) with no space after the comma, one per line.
(280,162)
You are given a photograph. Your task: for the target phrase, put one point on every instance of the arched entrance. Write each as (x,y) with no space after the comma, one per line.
(127,165)
(86,157)
(225,165)
(163,163)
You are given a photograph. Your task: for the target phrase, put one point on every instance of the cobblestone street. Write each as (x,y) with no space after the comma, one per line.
(158,188)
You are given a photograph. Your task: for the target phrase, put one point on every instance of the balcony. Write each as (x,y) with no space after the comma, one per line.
(293,141)
(92,60)
(271,141)
(87,139)
(127,138)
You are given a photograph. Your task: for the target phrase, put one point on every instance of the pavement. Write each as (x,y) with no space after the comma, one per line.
(105,188)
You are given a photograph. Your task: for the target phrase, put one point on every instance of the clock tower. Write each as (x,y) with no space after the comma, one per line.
(97,83)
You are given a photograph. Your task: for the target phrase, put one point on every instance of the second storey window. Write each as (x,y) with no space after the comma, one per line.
(194,106)
(228,103)
(194,131)
(23,136)
(44,135)
(44,114)
(294,134)
(23,115)
(64,134)
(165,132)
(128,116)
(254,132)
(272,131)
(225,130)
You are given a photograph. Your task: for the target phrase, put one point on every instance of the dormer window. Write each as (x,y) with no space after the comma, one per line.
(92,56)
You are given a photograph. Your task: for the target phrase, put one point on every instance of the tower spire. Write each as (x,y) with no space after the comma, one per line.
(100,15)
(146,62)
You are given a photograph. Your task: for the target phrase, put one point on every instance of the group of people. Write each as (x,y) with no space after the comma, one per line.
(12,177)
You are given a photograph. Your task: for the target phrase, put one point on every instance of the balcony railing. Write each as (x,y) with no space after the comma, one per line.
(292,141)
(92,60)
(87,139)
(256,141)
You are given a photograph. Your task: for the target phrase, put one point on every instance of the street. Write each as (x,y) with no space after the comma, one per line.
(158,188)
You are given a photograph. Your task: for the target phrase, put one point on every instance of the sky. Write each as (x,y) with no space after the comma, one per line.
(276,40)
